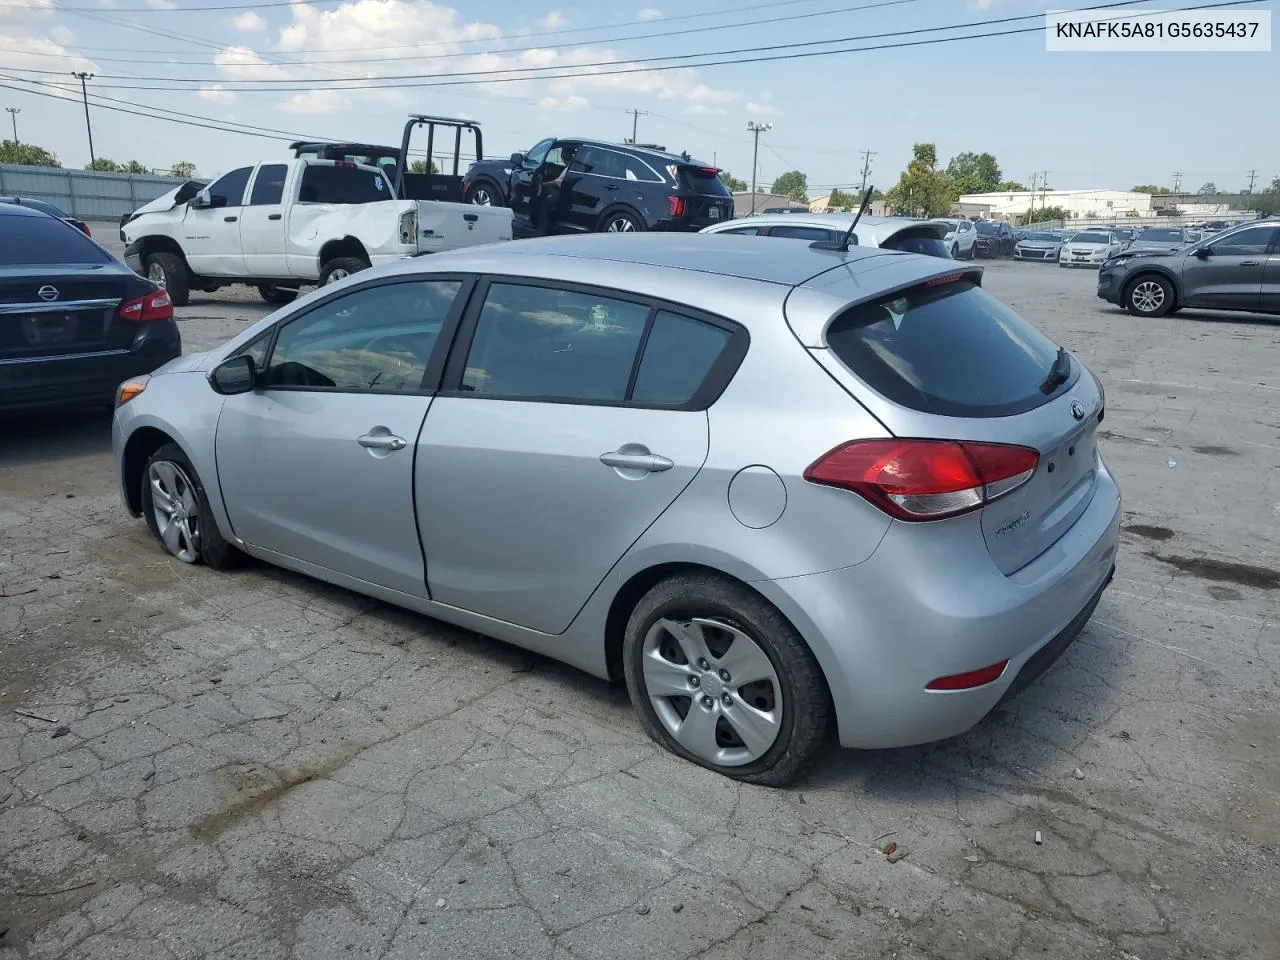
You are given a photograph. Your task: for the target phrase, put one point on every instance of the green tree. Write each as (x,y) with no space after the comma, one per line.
(839,200)
(135,166)
(104,165)
(184,169)
(922,189)
(423,166)
(1208,189)
(794,185)
(1046,213)
(26,154)
(733,184)
(1011,186)
(1150,188)
(974,173)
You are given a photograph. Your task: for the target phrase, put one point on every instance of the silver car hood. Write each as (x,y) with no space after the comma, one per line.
(191,362)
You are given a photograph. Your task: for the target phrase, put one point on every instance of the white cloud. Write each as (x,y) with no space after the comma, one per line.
(248,22)
(216,93)
(754,107)
(555,20)
(62,34)
(316,101)
(573,102)
(241,63)
(701,109)
(162,4)
(649,13)
(25,51)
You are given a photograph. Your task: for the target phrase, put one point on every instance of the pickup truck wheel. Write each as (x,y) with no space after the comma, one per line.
(168,271)
(276,294)
(339,268)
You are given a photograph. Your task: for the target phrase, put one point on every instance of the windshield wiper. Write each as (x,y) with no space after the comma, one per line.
(1059,373)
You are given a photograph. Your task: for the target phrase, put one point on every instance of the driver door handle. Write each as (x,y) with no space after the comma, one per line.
(230,219)
(1250,263)
(648,462)
(382,441)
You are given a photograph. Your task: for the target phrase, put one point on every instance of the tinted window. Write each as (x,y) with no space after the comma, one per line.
(268,186)
(1174,236)
(1090,238)
(601,163)
(926,243)
(987,229)
(678,355)
(951,349)
(743,231)
(537,153)
(704,180)
(538,342)
(802,233)
(378,338)
(231,185)
(636,169)
(31,240)
(332,184)
(1247,243)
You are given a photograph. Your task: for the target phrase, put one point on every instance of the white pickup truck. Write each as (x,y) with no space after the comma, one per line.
(279,225)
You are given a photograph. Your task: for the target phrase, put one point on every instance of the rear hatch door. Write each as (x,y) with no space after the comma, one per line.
(709,200)
(948,361)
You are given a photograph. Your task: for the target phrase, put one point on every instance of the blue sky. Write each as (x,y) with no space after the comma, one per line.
(1091,120)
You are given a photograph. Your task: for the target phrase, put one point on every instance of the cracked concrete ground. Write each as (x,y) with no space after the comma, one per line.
(256,765)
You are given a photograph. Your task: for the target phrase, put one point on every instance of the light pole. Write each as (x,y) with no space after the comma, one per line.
(84,92)
(13,115)
(755,129)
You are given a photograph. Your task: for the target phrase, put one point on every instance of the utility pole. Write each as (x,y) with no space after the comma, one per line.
(84,92)
(635,121)
(1177,180)
(1253,174)
(14,111)
(1031,204)
(866,171)
(1044,188)
(755,129)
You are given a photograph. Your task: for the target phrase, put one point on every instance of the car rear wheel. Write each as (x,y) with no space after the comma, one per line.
(1149,296)
(339,268)
(276,294)
(483,194)
(177,511)
(620,221)
(718,676)
(168,271)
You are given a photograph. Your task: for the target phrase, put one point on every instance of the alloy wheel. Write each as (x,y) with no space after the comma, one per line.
(336,274)
(176,508)
(713,688)
(155,273)
(1147,296)
(620,225)
(481,197)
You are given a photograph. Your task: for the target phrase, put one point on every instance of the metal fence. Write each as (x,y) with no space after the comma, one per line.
(1131,222)
(86,194)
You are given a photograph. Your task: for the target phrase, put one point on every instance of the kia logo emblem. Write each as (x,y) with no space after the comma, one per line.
(1077,409)
(47,292)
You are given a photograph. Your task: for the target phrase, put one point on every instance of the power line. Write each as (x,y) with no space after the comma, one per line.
(456,78)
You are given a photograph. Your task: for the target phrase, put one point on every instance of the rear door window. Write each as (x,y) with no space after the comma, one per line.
(678,357)
(329,183)
(268,185)
(951,349)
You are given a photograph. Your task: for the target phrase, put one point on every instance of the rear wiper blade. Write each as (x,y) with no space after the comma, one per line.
(1058,373)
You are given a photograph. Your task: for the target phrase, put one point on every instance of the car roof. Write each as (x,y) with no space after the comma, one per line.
(880,227)
(631,148)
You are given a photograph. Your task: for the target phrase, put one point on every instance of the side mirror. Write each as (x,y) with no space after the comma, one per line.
(1202,252)
(517,158)
(234,375)
(199,202)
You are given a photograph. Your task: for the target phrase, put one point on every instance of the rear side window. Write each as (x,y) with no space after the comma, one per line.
(909,241)
(334,184)
(678,357)
(703,180)
(31,240)
(951,349)
(637,169)
(268,186)
(802,233)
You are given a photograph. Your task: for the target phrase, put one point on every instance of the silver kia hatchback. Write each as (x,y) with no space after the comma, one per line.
(783,491)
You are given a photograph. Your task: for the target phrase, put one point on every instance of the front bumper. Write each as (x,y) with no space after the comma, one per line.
(922,608)
(1111,285)
(1044,254)
(133,256)
(1093,260)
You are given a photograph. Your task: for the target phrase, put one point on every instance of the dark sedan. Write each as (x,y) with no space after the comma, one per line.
(74,321)
(51,210)
(1235,270)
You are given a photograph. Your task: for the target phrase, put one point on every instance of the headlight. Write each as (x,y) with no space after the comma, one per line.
(131,388)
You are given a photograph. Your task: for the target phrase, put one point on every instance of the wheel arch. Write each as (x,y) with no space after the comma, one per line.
(621,208)
(347,246)
(158,243)
(1148,270)
(138,448)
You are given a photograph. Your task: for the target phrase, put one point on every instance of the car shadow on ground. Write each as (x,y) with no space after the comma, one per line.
(46,436)
(1210,316)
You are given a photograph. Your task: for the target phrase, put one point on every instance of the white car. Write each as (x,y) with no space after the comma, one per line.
(961,239)
(893,233)
(278,225)
(1090,249)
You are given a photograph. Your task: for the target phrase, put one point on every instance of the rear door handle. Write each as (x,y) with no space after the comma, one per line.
(1250,263)
(229,219)
(274,216)
(611,186)
(648,462)
(382,441)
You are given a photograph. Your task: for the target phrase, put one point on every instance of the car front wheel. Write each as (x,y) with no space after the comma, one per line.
(720,677)
(1149,296)
(177,511)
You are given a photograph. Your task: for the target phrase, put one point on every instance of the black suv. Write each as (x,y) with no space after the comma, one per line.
(583,186)
(994,239)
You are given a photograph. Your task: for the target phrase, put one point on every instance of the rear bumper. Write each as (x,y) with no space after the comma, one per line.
(924,606)
(83,378)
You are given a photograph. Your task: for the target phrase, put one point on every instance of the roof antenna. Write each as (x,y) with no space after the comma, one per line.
(842,245)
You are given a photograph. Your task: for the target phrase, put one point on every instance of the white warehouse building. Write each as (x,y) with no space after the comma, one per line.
(1079,204)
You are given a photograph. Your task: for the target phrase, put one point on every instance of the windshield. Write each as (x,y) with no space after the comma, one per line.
(987,229)
(1045,237)
(1172,236)
(1090,238)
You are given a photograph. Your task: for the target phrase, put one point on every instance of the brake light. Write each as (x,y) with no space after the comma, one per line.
(710,171)
(679,206)
(925,479)
(344,164)
(85,227)
(153,306)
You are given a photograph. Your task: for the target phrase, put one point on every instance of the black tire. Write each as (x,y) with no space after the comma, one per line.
(613,221)
(276,294)
(485,188)
(341,267)
(170,271)
(955,251)
(1142,301)
(210,546)
(807,716)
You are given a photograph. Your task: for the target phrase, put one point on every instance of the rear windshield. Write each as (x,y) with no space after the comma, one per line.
(704,180)
(918,241)
(31,240)
(987,229)
(1161,235)
(40,205)
(951,349)
(322,183)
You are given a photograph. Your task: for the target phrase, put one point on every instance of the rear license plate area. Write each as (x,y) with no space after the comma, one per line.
(714,213)
(1071,461)
(45,329)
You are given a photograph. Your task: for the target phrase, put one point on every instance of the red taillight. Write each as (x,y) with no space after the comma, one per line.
(85,228)
(710,171)
(967,681)
(925,479)
(153,306)
(679,206)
